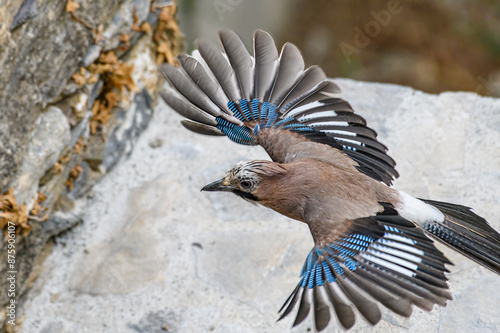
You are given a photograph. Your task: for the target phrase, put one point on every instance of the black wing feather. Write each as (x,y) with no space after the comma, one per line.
(382,258)
(269,90)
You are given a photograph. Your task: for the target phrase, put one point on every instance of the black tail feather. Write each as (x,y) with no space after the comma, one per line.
(467,233)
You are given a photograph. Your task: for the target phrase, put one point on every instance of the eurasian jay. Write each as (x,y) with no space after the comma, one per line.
(372,243)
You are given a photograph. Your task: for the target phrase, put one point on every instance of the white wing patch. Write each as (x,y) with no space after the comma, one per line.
(350,141)
(400,246)
(416,210)
(339,132)
(320,114)
(297,110)
(398,253)
(329,123)
(385,263)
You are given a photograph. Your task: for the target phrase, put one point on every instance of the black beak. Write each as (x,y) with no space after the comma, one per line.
(218,186)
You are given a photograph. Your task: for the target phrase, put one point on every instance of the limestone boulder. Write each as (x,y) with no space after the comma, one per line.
(153,254)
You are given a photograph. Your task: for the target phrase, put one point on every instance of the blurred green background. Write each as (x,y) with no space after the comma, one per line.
(432,46)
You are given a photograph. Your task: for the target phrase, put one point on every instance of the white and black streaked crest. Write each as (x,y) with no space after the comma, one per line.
(229,92)
(249,173)
(260,167)
(244,174)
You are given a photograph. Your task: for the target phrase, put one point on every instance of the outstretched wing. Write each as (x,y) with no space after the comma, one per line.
(382,258)
(234,94)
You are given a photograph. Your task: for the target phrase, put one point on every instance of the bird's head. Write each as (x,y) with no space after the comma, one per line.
(246,179)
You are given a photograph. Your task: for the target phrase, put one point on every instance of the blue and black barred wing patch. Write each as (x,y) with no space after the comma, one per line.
(381,259)
(228,92)
(334,123)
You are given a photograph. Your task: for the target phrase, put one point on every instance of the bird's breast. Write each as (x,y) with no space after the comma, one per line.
(313,191)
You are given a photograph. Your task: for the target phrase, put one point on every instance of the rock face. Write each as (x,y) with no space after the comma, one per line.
(41,47)
(63,64)
(50,137)
(154,254)
(36,66)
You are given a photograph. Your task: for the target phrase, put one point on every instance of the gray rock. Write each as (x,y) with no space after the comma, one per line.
(31,248)
(156,322)
(152,250)
(43,114)
(28,10)
(131,123)
(50,137)
(122,21)
(37,59)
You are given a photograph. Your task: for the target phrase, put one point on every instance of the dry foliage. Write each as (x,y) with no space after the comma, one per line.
(11,212)
(79,146)
(135,25)
(80,77)
(125,40)
(146,27)
(99,37)
(77,149)
(37,208)
(73,175)
(58,168)
(167,36)
(117,77)
(71,6)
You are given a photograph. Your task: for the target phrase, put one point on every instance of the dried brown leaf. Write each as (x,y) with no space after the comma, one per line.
(71,6)
(103,68)
(112,98)
(92,79)
(69,183)
(124,38)
(109,58)
(58,167)
(134,16)
(165,50)
(73,175)
(135,25)
(79,77)
(99,35)
(93,126)
(122,76)
(79,146)
(166,13)
(37,208)
(11,212)
(95,107)
(146,27)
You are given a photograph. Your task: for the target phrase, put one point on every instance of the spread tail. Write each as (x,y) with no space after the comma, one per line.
(467,233)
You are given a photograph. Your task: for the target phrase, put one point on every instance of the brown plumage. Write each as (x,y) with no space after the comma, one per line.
(329,171)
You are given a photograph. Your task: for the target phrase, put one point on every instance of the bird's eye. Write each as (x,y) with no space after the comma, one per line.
(245,184)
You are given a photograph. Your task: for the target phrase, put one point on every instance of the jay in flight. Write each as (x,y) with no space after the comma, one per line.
(372,243)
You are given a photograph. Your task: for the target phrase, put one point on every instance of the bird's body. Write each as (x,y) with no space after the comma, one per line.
(329,171)
(336,195)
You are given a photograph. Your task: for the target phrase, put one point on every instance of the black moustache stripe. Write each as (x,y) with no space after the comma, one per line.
(245,195)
